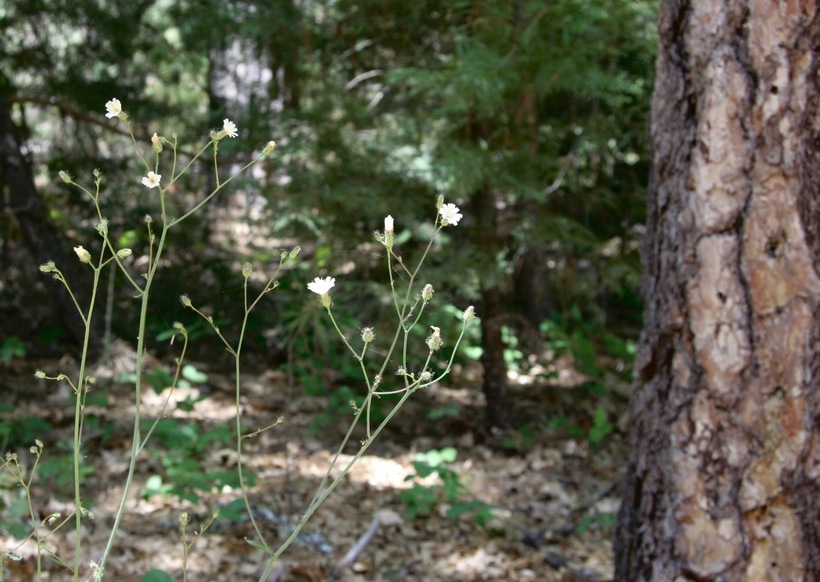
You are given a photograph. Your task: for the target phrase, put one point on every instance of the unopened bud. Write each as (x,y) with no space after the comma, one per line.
(269,147)
(439,202)
(427,293)
(65,177)
(294,252)
(156,142)
(82,254)
(368,335)
(247,270)
(469,314)
(102,227)
(48,267)
(185,300)
(40,374)
(122,253)
(388,224)
(434,342)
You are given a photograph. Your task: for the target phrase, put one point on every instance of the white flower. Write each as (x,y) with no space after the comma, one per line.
(113,108)
(450,214)
(321,286)
(229,127)
(151,180)
(388,223)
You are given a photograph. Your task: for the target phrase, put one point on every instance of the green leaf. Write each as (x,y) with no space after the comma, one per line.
(13,347)
(156,575)
(190,373)
(258,545)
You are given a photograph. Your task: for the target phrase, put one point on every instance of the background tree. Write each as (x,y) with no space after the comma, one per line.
(529,114)
(725,406)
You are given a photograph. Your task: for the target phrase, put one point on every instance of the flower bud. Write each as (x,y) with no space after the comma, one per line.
(368,335)
(185,300)
(469,314)
(122,253)
(40,374)
(269,147)
(65,177)
(82,254)
(294,253)
(388,233)
(247,270)
(48,267)
(434,342)
(102,227)
(156,143)
(427,293)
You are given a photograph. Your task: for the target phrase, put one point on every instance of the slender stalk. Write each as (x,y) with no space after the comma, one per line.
(79,403)
(135,439)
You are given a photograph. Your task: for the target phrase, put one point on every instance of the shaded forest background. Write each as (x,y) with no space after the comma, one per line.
(530,115)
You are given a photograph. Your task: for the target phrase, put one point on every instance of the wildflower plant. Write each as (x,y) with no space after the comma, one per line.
(162,169)
(409,305)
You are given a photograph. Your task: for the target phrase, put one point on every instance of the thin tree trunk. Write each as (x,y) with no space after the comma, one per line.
(491,310)
(724,469)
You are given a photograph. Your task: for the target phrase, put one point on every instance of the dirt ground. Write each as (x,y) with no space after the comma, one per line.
(554,495)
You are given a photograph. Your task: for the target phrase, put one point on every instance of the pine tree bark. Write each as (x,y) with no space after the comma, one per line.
(725,454)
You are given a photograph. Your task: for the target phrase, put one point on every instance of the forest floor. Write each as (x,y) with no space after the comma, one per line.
(553,494)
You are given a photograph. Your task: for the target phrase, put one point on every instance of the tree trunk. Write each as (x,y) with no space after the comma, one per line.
(491,311)
(725,457)
(40,236)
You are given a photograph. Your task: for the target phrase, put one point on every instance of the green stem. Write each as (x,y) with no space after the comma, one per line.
(135,440)
(78,422)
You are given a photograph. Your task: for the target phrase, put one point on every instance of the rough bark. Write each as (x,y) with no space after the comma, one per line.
(725,457)
(40,236)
